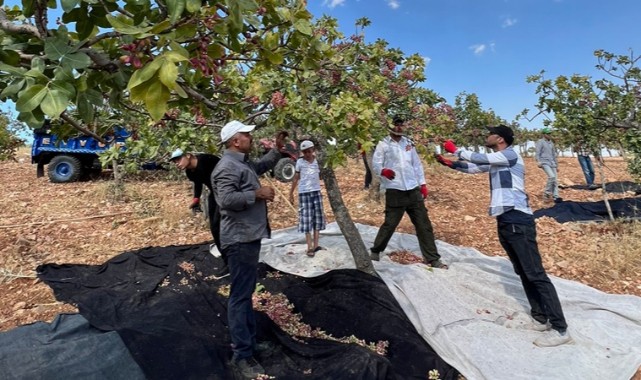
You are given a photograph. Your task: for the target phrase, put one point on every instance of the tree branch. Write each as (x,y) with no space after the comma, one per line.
(198,96)
(626,124)
(12,28)
(64,116)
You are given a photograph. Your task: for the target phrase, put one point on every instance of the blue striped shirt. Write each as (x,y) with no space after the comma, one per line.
(507,178)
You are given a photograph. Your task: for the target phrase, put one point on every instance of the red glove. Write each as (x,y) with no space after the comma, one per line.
(424,191)
(444,161)
(195,205)
(449,146)
(388,173)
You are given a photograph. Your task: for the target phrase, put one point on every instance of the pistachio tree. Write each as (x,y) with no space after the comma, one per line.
(471,120)
(599,112)
(175,71)
(10,140)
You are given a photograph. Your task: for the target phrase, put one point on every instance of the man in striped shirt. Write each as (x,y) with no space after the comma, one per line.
(516,227)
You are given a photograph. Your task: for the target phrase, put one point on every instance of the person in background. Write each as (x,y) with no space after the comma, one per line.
(396,161)
(311,216)
(242,202)
(546,160)
(583,155)
(516,227)
(198,168)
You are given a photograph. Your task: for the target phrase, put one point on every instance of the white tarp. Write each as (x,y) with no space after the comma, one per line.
(473,313)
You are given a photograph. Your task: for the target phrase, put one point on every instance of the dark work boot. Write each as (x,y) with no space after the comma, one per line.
(247,368)
(375,255)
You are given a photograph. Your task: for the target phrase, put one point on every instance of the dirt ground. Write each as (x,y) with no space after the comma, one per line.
(42,222)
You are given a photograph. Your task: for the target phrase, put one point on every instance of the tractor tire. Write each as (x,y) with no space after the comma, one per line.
(64,169)
(285,170)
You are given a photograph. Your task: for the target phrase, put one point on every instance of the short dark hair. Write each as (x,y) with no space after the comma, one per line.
(398,120)
(503,131)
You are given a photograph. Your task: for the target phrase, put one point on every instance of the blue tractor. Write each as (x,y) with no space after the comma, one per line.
(71,158)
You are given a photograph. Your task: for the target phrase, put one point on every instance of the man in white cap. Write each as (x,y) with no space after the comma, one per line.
(242,202)
(310,201)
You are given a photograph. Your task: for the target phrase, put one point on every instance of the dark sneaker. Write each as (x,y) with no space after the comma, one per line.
(375,256)
(265,349)
(558,200)
(438,264)
(222,272)
(247,368)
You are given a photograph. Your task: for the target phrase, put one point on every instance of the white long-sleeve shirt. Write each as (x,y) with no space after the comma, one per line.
(401,157)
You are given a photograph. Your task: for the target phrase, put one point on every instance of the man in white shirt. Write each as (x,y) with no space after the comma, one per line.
(396,161)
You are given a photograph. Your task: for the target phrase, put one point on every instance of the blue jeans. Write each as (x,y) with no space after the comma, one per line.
(588,169)
(519,242)
(552,185)
(242,259)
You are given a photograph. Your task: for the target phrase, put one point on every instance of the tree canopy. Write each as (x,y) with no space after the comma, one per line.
(596,111)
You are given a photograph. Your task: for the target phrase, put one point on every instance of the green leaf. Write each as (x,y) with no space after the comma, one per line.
(179,90)
(193,5)
(30,99)
(168,74)
(56,48)
(17,71)
(120,25)
(156,100)
(303,26)
(54,103)
(10,57)
(68,5)
(139,93)
(85,108)
(161,27)
(33,120)
(173,56)
(86,27)
(175,8)
(76,60)
(38,75)
(13,88)
(38,64)
(66,87)
(274,58)
(235,16)
(144,74)
(179,49)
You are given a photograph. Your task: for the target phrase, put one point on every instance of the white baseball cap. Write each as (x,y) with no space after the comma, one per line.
(233,127)
(176,154)
(306,145)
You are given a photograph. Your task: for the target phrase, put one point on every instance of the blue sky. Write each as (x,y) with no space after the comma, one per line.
(489,47)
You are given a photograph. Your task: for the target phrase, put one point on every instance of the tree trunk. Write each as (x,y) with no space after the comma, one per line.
(599,165)
(346,224)
(374,187)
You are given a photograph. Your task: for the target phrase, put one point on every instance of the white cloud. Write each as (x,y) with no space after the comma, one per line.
(427,61)
(479,49)
(394,4)
(333,3)
(509,21)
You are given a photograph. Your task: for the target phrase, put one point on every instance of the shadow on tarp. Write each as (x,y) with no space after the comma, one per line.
(567,211)
(167,308)
(610,187)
